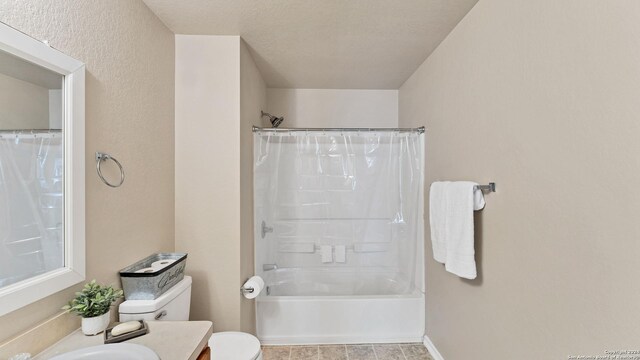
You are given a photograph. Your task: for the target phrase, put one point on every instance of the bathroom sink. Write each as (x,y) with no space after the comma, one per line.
(110,352)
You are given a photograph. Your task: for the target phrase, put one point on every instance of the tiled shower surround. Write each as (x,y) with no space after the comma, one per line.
(412,351)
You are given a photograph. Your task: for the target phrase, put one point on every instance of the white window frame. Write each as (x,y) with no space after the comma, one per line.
(15,296)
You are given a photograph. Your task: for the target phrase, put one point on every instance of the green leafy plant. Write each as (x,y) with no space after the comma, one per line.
(93,300)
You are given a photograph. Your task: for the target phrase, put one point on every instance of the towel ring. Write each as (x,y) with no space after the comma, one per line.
(100,157)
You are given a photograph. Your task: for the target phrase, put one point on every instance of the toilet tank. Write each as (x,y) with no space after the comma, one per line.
(172,305)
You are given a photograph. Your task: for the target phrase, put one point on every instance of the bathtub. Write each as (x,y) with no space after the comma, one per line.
(339,306)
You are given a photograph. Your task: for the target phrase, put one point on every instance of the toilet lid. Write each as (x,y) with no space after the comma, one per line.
(232,345)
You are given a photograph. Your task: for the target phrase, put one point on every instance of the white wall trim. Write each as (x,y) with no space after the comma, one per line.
(432,348)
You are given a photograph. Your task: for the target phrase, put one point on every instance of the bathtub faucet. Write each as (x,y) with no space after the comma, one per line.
(264,229)
(269,267)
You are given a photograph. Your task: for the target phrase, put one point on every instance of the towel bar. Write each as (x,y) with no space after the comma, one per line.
(488,188)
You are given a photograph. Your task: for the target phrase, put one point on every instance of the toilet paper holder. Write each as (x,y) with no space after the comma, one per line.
(246,290)
(251,288)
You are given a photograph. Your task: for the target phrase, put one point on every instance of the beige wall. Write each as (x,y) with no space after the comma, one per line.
(208,173)
(253,98)
(129,56)
(334,107)
(542,98)
(23,105)
(219,94)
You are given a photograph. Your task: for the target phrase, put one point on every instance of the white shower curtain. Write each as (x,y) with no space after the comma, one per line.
(356,193)
(31,205)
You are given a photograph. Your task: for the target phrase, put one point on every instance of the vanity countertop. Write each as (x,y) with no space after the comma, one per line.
(175,340)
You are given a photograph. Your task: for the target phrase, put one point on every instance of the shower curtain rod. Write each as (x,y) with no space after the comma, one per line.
(30,131)
(30,134)
(419,130)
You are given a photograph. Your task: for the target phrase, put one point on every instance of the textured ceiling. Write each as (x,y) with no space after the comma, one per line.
(331,44)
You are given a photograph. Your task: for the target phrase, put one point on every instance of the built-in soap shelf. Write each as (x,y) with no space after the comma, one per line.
(308,248)
(297,248)
(322,219)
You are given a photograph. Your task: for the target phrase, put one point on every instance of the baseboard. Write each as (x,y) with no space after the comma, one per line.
(432,348)
(321,340)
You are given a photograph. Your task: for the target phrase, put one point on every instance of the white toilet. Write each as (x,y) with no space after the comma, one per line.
(174,305)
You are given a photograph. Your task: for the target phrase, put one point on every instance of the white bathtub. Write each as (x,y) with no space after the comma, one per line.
(339,305)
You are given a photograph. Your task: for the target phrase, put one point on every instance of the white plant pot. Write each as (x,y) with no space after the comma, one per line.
(95,325)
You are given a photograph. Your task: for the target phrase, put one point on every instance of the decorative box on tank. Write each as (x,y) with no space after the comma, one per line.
(152,276)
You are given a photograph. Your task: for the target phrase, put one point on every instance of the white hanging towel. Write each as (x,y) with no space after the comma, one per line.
(451,206)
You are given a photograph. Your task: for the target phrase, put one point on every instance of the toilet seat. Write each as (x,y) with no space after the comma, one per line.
(233,345)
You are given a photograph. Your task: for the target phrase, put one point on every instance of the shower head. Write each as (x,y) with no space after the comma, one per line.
(275,121)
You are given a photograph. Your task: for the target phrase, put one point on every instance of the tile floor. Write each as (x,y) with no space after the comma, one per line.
(413,351)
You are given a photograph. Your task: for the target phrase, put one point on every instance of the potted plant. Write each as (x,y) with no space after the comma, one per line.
(93,303)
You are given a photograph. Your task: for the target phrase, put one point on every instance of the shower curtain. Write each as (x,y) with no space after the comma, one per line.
(344,206)
(31,205)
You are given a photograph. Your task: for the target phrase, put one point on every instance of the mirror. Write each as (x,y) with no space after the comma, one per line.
(41,170)
(31,176)
(30,96)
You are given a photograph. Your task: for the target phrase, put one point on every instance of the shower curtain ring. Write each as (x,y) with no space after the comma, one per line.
(102,157)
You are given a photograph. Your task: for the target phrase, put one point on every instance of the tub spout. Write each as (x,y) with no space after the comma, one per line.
(269,267)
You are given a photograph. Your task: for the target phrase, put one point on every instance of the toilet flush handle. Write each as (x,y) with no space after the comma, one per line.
(161,314)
